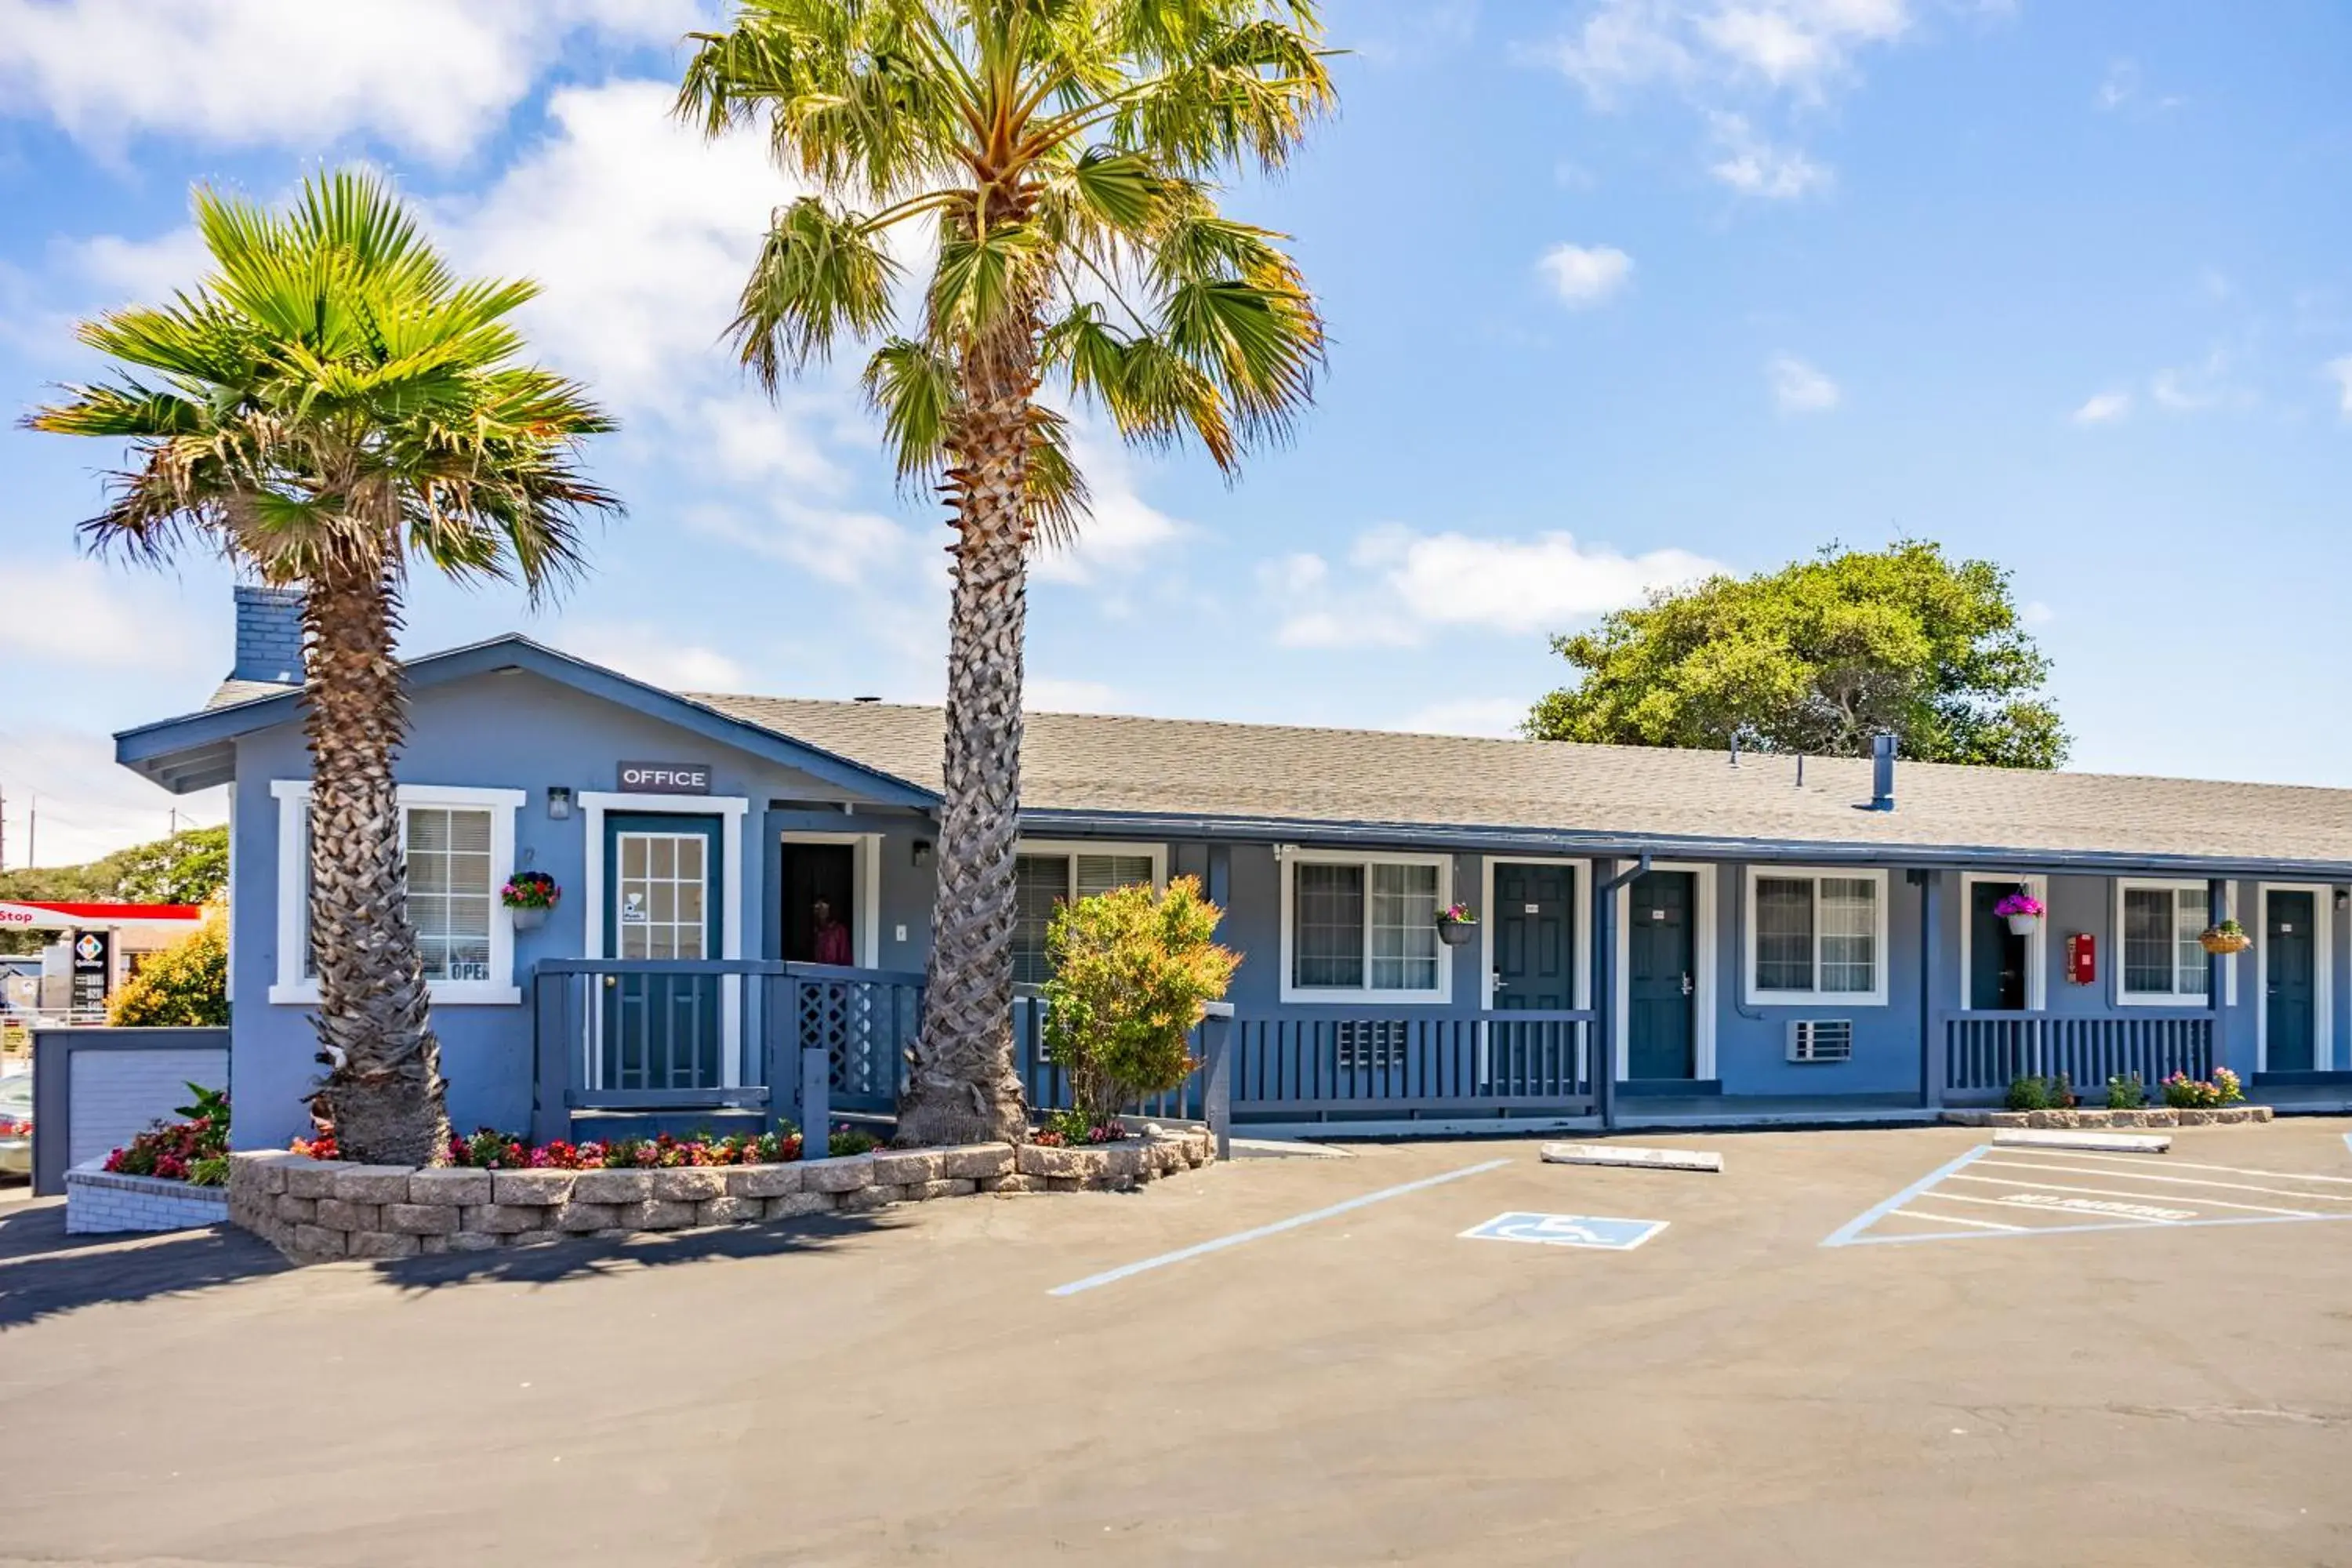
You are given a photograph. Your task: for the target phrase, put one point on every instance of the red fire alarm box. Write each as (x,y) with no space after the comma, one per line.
(2083,958)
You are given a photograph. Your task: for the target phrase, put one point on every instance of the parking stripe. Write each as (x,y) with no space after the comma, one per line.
(1853,1228)
(2013,1206)
(2139,1197)
(2172,1181)
(1956,1219)
(1124,1271)
(2139,1225)
(2140,1162)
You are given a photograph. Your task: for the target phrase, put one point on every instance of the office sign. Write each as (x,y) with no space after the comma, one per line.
(93,966)
(665,778)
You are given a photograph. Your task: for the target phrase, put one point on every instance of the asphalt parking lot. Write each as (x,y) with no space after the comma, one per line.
(2095,1385)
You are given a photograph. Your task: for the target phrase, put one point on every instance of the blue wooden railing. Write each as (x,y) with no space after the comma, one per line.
(1984,1052)
(805,1041)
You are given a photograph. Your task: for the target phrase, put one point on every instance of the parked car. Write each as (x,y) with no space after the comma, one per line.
(16,1125)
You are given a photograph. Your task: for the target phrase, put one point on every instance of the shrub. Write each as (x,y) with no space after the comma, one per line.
(1064,1129)
(2127,1092)
(195,1150)
(183,986)
(1133,971)
(490,1149)
(2030,1093)
(847,1140)
(2185,1094)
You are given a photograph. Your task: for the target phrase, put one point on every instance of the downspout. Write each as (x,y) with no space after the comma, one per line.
(1604,995)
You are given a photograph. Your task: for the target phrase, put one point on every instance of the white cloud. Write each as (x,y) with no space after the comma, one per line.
(74,614)
(1800,388)
(86,803)
(1046,694)
(1755,167)
(654,654)
(2339,371)
(2036,614)
(432,77)
(1486,716)
(2119,86)
(839,545)
(1403,585)
(1584,276)
(1121,531)
(2103,408)
(1793,47)
(2193,388)
(639,234)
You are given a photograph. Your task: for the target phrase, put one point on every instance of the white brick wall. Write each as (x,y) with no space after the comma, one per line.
(117,1094)
(97,1202)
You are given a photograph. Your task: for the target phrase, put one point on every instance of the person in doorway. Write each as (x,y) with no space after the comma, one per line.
(831,937)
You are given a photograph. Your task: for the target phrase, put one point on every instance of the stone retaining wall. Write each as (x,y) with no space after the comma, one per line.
(315,1211)
(2150,1116)
(100,1202)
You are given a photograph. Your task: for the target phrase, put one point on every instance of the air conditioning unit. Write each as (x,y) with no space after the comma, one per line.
(1820,1039)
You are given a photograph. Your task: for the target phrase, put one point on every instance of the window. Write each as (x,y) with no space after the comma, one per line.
(2162,957)
(458,845)
(1363,926)
(1817,935)
(1046,875)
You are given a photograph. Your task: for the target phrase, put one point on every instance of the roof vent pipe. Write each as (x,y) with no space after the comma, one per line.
(1882,772)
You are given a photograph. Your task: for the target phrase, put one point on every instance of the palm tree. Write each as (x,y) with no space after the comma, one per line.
(1052,162)
(329,403)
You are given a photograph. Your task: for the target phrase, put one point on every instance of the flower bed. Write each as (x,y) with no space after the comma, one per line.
(317,1210)
(169,1177)
(2152,1116)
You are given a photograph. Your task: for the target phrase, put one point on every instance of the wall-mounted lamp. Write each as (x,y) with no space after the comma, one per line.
(559,802)
(922,853)
(2344,898)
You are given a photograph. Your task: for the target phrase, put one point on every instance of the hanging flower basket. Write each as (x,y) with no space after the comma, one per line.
(528,895)
(1457,925)
(2023,910)
(2224,938)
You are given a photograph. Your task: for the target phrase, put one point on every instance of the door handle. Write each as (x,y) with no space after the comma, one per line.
(611,981)
(1686,983)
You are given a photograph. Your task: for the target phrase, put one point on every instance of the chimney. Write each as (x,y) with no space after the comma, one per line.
(1882,772)
(269,634)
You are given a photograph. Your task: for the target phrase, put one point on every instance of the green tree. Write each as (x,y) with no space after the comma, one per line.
(331,403)
(1131,971)
(186,985)
(1817,658)
(1052,164)
(189,868)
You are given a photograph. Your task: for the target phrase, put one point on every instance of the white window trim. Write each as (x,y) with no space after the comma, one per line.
(1882,957)
(1076,846)
(2178,999)
(866,870)
(1703,980)
(595,804)
(293,797)
(1579,939)
(2322,993)
(1287,856)
(2037,946)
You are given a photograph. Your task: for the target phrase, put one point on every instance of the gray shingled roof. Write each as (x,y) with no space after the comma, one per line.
(1091,763)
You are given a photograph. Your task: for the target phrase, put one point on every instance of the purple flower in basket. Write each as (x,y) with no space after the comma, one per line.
(2019,903)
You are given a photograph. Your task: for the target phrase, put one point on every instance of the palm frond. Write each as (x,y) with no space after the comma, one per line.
(821,273)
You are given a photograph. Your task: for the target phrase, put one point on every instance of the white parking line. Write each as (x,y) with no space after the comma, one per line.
(2229,1169)
(1955,1219)
(2111,1192)
(2173,1180)
(1111,1276)
(2144,1213)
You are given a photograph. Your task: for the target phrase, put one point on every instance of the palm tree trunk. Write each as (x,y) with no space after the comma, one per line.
(383,1090)
(963,1088)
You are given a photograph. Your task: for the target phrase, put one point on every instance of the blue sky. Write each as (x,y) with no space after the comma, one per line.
(1619,290)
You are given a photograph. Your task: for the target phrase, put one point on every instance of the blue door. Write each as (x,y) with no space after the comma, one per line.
(1534,937)
(2291,1000)
(1662,953)
(663,879)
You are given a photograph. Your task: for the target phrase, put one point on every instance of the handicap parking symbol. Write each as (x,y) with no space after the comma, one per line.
(1567,1230)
